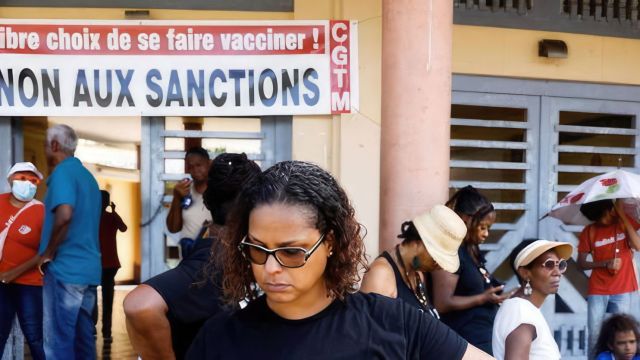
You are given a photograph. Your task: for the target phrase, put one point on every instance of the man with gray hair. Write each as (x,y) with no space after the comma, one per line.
(69,249)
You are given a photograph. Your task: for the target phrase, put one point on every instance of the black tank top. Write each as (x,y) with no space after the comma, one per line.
(405,292)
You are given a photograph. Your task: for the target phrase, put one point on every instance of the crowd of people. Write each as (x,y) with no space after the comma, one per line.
(273,266)
(54,254)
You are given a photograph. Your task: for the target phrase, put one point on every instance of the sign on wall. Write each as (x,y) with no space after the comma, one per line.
(195,68)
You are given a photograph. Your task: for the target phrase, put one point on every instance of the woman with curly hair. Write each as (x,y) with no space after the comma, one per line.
(293,232)
(618,339)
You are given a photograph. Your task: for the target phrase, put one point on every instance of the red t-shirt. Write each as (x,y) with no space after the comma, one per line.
(603,247)
(109,225)
(22,240)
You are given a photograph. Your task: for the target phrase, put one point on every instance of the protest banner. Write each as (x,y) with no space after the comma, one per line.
(178,68)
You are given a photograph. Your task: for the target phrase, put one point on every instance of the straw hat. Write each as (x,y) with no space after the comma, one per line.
(26,167)
(442,231)
(539,247)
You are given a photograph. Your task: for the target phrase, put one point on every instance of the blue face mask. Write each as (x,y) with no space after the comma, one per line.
(23,190)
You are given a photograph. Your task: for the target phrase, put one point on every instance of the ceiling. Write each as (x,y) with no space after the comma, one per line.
(110,130)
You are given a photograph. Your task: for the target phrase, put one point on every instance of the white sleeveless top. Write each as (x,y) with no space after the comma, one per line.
(514,312)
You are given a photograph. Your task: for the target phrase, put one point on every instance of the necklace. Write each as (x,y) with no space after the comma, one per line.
(419,291)
(474,251)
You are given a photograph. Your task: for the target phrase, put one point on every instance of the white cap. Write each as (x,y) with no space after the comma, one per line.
(24,166)
(539,247)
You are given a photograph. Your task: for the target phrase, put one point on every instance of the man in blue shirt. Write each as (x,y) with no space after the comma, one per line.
(70,250)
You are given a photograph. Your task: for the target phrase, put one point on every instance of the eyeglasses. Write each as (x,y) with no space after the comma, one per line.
(22,177)
(551,264)
(289,257)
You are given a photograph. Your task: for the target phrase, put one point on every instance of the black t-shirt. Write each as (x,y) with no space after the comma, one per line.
(474,324)
(191,297)
(363,326)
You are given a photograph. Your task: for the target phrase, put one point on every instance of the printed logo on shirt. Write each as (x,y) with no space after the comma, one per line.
(12,218)
(609,240)
(24,230)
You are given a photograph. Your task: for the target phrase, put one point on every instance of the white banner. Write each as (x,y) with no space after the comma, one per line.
(150,68)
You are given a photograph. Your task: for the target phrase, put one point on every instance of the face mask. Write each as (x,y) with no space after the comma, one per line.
(23,190)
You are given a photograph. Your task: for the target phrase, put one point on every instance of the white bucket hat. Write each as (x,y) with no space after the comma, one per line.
(539,247)
(24,166)
(442,232)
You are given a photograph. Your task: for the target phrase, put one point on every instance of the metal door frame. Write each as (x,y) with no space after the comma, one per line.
(275,133)
(523,229)
(556,96)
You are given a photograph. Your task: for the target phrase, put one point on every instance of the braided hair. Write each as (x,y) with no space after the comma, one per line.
(409,233)
(308,186)
(227,174)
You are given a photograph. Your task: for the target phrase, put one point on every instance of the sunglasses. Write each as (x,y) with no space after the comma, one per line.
(289,257)
(22,177)
(551,264)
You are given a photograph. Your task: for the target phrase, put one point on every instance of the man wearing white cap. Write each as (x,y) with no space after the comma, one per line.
(70,250)
(21,218)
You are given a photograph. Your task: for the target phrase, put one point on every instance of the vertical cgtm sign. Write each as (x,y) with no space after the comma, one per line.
(340,65)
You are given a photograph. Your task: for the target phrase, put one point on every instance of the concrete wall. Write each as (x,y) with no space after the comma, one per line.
(514,53)
(349,145)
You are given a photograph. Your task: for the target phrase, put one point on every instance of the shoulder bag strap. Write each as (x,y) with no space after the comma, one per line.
(5,232)
(591,244)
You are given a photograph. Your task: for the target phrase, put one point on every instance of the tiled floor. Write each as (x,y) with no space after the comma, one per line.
(121,347)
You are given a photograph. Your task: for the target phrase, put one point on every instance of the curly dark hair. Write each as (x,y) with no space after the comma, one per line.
(616,323)
(301,184)
(227,174)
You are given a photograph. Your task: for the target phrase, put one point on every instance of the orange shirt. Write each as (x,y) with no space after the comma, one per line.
(22,240)
(602,246)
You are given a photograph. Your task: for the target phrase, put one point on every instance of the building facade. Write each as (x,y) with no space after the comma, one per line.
(529,119)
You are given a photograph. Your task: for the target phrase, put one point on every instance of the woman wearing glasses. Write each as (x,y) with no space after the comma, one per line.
(21,218)
(293,232)
(520,331)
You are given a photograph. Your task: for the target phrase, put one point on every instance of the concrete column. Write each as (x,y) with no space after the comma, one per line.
(416,101)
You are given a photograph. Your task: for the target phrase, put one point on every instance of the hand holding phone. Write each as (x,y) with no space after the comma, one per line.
(182,188)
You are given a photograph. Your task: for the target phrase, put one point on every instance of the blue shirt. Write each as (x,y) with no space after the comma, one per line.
(608,355)
(77,259)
